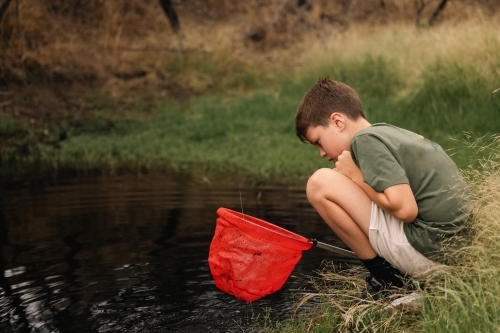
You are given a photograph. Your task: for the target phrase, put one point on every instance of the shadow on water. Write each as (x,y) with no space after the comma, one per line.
(128,253)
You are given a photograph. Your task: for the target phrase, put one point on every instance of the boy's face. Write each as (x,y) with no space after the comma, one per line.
(331,140)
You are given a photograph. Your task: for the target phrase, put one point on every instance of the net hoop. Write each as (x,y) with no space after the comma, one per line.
(264,231)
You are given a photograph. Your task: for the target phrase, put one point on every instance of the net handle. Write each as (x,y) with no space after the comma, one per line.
(334,249)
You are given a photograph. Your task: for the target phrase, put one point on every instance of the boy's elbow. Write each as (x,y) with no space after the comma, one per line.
(407,215)
(401,202)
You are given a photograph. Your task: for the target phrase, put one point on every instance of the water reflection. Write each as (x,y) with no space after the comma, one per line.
(130,254)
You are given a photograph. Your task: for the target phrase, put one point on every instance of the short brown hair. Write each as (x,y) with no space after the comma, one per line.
(324,98)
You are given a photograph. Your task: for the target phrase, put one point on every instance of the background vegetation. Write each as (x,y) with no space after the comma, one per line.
(436,81)
(113,86)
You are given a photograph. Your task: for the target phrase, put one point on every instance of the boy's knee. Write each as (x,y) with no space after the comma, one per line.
(317,182)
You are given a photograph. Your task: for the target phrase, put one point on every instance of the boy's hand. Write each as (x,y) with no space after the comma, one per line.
(346,166)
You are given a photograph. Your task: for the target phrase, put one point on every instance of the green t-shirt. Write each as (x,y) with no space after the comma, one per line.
(388,155)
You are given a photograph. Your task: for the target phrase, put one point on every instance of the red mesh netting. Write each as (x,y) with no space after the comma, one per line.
(250,258)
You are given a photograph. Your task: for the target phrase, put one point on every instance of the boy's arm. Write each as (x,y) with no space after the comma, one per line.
(397,200)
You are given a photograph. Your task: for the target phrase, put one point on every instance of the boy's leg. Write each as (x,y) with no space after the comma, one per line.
(346,209)
(344,206)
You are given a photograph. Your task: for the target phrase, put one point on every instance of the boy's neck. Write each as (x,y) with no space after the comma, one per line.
(358,125)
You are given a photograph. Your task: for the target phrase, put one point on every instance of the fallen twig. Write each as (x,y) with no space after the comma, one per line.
(159,49)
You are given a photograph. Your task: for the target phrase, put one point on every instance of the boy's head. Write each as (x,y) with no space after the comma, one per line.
(324,98)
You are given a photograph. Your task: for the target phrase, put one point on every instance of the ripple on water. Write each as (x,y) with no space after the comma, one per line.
(129,254)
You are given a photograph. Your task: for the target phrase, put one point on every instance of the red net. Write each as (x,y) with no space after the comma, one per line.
(250,258)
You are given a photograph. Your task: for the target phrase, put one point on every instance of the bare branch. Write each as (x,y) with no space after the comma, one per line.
(4,7)
(169,10)
(159,49)
(438,10)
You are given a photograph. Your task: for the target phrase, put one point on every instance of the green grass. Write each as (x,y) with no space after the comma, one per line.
(251,136)
(243,129)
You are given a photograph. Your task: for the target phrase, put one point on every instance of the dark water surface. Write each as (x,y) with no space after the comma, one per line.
(129,254)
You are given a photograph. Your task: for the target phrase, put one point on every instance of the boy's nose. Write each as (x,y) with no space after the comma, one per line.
(322,153)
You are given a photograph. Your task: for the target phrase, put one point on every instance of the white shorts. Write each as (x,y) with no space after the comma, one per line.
(388,239)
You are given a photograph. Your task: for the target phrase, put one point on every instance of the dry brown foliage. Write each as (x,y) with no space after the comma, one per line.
(75,40)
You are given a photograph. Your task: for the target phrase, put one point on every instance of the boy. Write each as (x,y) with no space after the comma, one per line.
(393,197)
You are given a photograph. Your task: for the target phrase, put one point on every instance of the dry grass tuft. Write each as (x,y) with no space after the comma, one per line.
(470,291)
(484,181)
(411,49)
(340,290)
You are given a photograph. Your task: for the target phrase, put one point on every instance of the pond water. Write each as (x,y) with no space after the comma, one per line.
(129,254)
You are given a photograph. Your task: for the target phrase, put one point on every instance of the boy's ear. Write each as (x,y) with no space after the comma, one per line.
(337,119)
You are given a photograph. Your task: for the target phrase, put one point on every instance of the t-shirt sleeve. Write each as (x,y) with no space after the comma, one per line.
(378,165)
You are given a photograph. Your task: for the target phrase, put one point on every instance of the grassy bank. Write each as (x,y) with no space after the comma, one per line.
(440,93)
(464,298)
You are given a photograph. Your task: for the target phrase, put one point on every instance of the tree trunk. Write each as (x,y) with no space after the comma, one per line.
(438,10)
(169,10)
